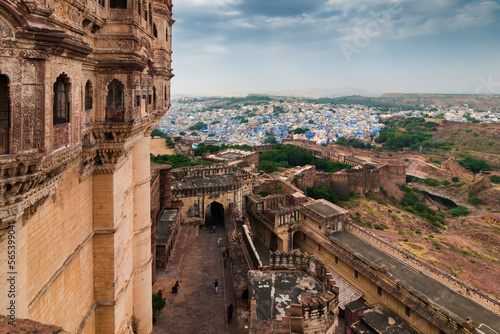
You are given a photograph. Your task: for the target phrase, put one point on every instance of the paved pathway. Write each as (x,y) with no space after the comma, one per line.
(196,261)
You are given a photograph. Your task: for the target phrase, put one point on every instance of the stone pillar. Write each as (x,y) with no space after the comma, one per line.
(141,277)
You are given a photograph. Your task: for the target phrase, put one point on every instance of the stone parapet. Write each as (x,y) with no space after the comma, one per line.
(450,281)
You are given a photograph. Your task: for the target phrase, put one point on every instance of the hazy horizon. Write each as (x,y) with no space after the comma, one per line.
(335,47)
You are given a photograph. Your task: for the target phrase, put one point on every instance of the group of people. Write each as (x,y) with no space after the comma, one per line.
(225,255)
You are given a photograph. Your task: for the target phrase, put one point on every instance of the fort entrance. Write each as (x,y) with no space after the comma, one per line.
(207,191)
(214,215)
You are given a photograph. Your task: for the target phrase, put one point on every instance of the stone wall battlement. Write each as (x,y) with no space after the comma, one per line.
(200,191)
(203,171)
(311,307)
(450,281)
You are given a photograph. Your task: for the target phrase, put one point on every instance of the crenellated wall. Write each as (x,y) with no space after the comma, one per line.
(201,171)
(443,277)
(312,315)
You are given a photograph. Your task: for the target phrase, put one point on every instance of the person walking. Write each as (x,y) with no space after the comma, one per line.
(229,312)
(216,286)
(219,241)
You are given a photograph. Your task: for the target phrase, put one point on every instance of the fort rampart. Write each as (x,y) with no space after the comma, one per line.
(450,281)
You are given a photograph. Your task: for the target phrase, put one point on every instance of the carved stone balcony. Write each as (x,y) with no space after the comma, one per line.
(27,180)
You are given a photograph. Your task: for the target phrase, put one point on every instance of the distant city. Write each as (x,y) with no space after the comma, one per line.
(253,121)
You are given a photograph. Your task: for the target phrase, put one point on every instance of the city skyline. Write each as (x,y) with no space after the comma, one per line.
(335,47)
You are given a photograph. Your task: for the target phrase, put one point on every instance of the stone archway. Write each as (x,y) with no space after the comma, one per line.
(297,239)
(214,214)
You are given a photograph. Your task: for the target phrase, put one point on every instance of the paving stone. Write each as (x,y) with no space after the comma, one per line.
(195,262)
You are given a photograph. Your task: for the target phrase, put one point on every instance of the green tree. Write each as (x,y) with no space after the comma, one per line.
(270,140)
(324,193)
(299,131)
(198,126)
(476,165)
(158,133)
(158,303)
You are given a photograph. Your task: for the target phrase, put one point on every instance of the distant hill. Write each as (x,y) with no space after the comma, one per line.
(479,102)
(417,101)
(386,102)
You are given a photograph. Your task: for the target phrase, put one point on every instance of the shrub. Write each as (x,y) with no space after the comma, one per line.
(404,188)
(432,182)
(380,227)
(408,199)
(475,200)
(446,183)
(459,211)
(495,179)
(454,179)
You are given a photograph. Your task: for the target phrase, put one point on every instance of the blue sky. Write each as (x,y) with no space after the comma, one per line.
(335,47)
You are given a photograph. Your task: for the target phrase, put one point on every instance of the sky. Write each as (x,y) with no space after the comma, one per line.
(335,47)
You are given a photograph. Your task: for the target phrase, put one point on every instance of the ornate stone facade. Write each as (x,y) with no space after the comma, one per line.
(82,84)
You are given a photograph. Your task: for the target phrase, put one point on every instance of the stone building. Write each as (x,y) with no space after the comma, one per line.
(424,298)
(296,293)
(82,84)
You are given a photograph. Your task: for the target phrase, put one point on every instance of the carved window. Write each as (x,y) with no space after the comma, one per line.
(4,114)
(144,91)
(165,93)
(155,31)
(62,104)
(150,94)
(150,15)
(89,93)
(114,99)
(166,34)
(120,4)
(145,12)
(138,6)
(336,260)
(154,97)
(379,291)
(102,2)
(356,274)
(137,95)
(407,311)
